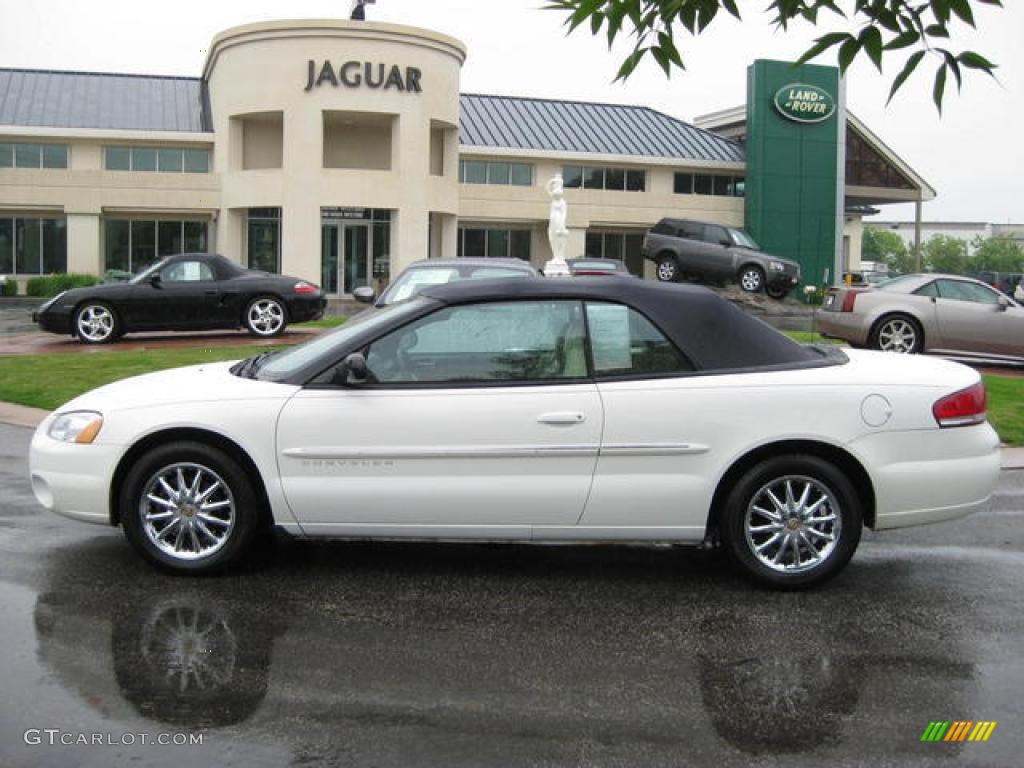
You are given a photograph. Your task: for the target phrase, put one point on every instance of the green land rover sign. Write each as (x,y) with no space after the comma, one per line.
(804,103)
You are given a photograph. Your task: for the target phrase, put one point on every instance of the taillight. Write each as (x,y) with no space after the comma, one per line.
(304,287)
(962,408)
(848,300)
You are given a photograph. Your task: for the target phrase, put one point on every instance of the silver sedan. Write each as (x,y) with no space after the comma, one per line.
(926,313)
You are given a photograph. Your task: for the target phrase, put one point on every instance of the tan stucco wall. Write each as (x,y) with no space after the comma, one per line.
(264,68)
(84,192)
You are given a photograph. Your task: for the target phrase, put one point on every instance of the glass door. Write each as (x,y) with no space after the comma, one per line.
(344,256)
(329,257)
(355,270)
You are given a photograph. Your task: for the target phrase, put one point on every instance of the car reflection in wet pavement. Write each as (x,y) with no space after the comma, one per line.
(408,654)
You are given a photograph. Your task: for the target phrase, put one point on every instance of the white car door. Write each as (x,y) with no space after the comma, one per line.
(478,417)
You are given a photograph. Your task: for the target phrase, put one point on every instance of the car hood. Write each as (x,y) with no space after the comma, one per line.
(209,382)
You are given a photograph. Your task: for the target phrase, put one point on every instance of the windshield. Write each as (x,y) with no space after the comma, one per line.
(148,272)
(741,238)
(412,281)
(286,362)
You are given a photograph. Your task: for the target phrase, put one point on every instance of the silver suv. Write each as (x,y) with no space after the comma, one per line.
(681,247)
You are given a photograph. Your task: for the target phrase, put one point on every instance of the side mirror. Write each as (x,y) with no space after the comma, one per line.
(364,294)
(156,281)
(352,371)
(1004,304)
(726,242)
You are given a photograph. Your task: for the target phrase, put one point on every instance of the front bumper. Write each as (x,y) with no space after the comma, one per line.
(53,321)
(72,480)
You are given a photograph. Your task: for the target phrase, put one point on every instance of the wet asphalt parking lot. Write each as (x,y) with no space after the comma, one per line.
(360,654)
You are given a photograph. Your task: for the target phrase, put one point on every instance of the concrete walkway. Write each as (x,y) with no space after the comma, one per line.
(22,416)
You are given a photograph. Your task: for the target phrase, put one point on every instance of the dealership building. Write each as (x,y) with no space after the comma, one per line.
(342,151)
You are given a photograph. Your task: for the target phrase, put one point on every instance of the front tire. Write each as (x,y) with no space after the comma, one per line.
(776,292)
(752,279)
(96,323)
(791,522)
(265,317)
(189,508)
(898,333)
(668,269)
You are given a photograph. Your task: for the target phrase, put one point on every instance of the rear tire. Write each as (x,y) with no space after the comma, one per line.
(791,522)
(265,316)
(668,269)
(897,333)
(188,507)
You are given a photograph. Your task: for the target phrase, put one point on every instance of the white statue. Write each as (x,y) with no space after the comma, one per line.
(558,232)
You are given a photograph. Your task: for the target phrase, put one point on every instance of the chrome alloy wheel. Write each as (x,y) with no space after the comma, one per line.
(187,511)
(751,280)
(266,317)
(793,524)
(667,270)
(897,335)
(95,323)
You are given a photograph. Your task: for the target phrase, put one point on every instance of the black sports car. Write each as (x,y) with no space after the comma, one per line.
(190,292)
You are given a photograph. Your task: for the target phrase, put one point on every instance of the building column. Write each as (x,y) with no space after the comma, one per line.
(84,244)
(449,226)
(577,243)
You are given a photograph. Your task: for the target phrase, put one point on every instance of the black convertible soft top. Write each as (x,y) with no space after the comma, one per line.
(712,332)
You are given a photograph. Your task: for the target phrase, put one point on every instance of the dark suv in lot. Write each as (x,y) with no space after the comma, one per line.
(681,247)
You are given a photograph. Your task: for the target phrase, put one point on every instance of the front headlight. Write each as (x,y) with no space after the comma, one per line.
(76,427)
(776,266)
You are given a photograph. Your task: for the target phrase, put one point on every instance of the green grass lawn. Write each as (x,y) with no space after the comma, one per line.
(330,321)
(48,381)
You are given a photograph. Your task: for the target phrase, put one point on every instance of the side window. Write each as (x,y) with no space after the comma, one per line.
(691,231)
(624,342)
(186,272)
(960,290)
(502,341)
(714,234)
(928,290)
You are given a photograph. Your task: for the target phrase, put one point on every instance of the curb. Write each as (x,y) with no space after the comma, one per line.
(23,416)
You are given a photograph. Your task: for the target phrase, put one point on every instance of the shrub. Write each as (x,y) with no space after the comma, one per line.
(47,286)
(8,286)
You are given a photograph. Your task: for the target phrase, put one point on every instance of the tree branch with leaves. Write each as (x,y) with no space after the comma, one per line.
(883,28)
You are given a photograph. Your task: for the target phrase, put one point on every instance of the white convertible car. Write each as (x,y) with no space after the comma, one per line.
(531,410)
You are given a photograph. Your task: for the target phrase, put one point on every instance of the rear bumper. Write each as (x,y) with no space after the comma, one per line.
(844,325)
(302,310)
(933,475)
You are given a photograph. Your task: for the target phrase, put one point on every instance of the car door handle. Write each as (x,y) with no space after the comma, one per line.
(562,417)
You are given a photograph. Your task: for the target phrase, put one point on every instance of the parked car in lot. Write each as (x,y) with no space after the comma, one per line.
(684,248)
(597,267)
(426,272)
(190,292)
(531,410)
(926,313)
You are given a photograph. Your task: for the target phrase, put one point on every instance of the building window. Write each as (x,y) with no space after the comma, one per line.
(685,183)
(495,172)
(621,246)
(612,179)
(33,156)
(157,159)
(491,243)
(30,246)
(264,241)
(131,245)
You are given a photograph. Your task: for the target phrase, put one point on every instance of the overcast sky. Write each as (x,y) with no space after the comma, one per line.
(973,155)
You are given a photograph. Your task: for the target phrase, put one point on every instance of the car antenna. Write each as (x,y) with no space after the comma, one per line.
(359,9)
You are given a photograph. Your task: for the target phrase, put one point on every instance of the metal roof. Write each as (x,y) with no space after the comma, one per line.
(575,126)
(51,99)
